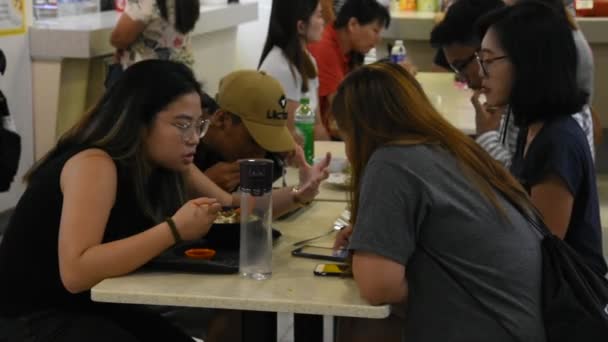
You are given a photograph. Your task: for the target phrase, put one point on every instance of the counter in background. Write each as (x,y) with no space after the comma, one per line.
(69,59)
(418,26)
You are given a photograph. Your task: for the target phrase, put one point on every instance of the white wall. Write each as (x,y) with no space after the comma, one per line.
(215,56)
(251,38)
(219,53)
(17,87)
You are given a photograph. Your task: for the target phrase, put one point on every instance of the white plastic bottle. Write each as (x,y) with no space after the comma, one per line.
(398,52)
(370,57)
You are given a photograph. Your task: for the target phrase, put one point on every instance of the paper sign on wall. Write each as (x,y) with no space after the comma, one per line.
(12,17)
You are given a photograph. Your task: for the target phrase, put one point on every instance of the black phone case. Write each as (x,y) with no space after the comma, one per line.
(298,253)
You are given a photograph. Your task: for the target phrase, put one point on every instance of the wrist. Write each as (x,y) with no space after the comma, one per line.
(296,197)
(173,228)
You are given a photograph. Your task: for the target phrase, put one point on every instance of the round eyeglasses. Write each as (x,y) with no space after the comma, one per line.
(484,64)
(459,67)
(188,130)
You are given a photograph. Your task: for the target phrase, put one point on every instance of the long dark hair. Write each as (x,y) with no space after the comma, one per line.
(366,12)
(382,104)
(283,33)
(561,9)
(187,13)
(538,41)
(117,124)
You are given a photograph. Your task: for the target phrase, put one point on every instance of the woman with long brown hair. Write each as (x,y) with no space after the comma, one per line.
(438,224)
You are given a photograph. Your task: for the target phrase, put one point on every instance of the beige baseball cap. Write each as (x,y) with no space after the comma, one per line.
(260,102)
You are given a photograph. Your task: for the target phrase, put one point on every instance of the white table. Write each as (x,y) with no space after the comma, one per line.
(293,288)
(452,102)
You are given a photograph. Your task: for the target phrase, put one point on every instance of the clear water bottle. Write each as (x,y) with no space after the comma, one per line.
(255,254)
(305,127)
(398,52)
(370,57)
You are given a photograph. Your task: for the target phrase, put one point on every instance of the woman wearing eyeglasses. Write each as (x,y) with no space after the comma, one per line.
(108,198)
(528,60)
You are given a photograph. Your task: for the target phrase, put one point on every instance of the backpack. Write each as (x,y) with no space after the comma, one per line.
(574,298)
(10,148)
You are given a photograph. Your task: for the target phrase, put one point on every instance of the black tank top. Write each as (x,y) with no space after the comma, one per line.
(29,265)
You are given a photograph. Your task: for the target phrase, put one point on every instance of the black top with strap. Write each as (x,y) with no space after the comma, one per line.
(29,265)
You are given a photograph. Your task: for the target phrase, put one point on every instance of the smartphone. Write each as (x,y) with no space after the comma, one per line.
(322,253)
(330,270)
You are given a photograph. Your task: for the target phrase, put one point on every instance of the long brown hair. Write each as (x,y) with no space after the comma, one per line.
(383,104)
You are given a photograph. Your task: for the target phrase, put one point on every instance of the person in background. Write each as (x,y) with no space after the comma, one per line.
(458,38)
(249,120)
(528,61)
(585,66)
(355,31)
(328,11)
(441,230)
(10,141)
(155,29)
(293,24)
(106,5)
(104,201)
(440,63)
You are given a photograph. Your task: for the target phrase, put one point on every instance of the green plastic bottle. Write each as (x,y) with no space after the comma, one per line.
(305,127)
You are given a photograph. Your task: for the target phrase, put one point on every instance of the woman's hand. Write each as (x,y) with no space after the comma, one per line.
(342,238)
(487,118)
(194,218)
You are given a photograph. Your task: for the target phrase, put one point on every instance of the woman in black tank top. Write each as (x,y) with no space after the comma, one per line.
(95,208)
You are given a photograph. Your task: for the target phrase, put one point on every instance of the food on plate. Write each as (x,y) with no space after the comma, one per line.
(229,216)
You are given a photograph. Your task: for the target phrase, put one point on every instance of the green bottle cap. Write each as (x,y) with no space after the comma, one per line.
(304,101)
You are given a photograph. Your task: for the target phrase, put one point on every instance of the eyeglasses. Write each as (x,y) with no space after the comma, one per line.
(460,66)
(484,64)
(188,129)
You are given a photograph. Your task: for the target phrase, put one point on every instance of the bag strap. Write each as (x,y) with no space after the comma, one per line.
(465,289)
(537,223)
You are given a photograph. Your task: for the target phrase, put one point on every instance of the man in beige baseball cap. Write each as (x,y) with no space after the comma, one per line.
(248,120)
(259,101)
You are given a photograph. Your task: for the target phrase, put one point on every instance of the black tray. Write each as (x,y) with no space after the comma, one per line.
(225,261)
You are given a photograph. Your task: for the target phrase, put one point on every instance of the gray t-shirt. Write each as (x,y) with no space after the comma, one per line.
(418,195)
